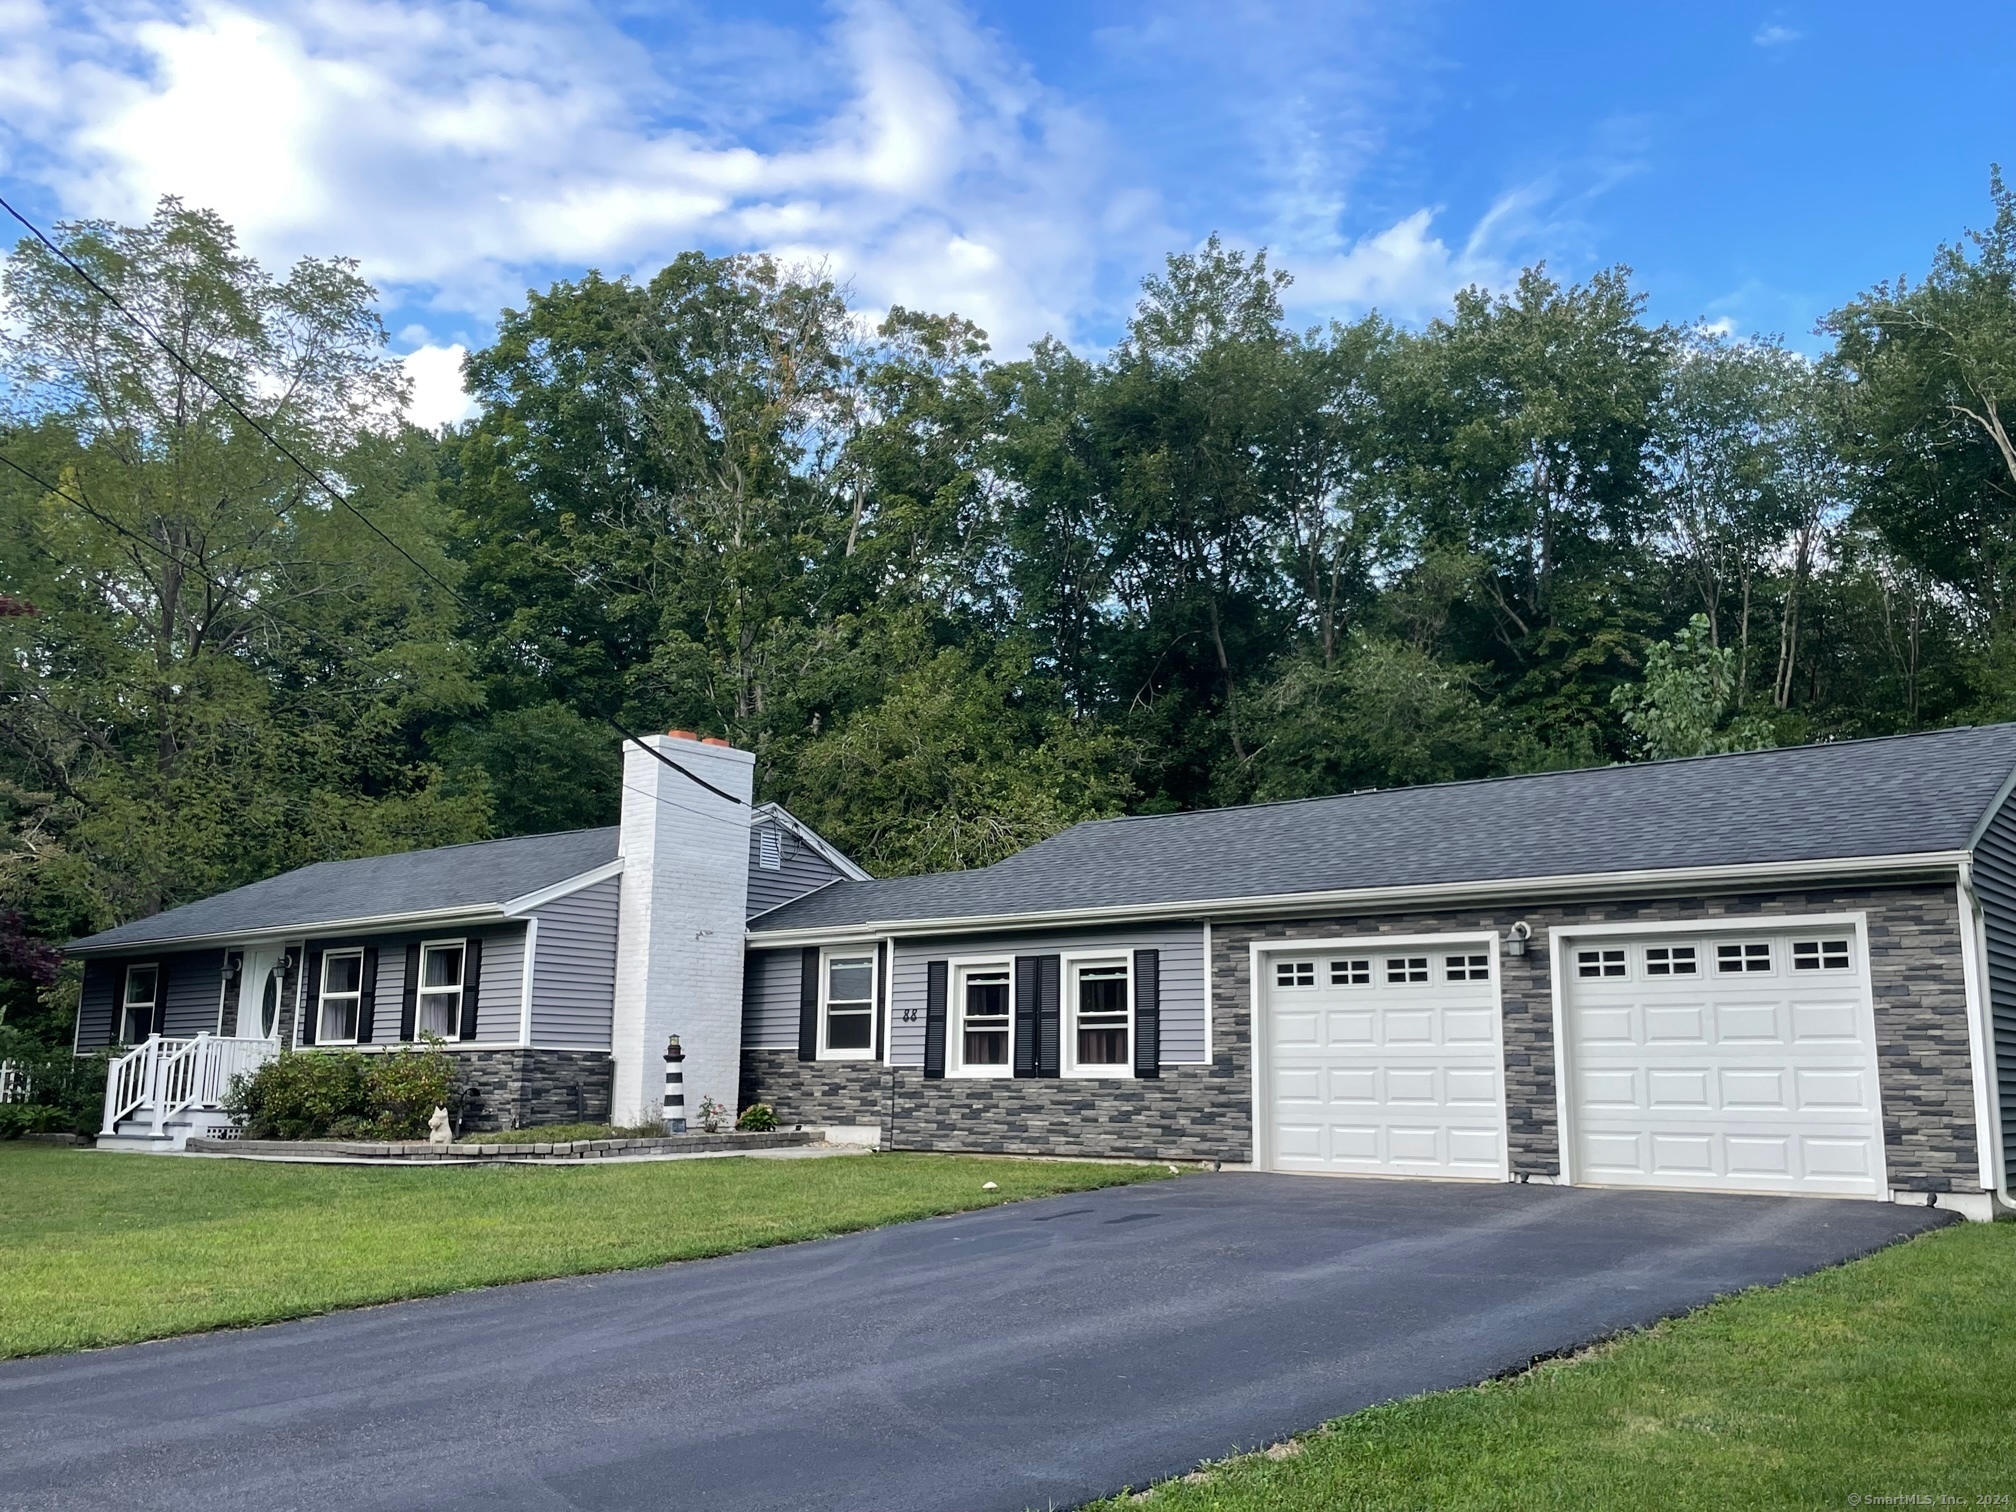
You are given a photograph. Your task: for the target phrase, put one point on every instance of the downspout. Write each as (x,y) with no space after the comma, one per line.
(1981,1038)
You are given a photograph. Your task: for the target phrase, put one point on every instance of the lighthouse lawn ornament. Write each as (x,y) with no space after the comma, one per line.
(675,1087)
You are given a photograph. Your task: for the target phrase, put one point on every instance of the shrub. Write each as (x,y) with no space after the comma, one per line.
(757,1118)
(300,1094)
(343,1094)
(407,1086)
(68,1091)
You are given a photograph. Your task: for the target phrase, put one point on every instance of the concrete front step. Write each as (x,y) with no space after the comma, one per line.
(176,1132)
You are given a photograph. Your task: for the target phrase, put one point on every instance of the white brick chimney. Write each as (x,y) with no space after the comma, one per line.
(679,924)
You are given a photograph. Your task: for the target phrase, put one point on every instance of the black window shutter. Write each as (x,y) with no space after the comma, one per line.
(935,974)
(1148,1014)
(311,999)
(885,958)
(808,1003)
(1049,1016)
(161,997)
(1025,1015)
(409,995)
(472,979)
(367,994)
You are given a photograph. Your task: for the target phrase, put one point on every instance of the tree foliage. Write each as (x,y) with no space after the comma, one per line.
(952,601)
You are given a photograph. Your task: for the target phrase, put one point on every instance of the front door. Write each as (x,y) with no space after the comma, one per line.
(259,988)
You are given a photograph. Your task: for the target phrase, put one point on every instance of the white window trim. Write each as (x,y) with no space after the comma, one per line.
(1067,1026)
(461,943)
(956,971)
(127,1005)
(322,994)
(873,956)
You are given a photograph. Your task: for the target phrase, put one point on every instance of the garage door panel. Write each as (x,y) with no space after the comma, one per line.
(1386,1076)
(1826,1023)
(1750,1081)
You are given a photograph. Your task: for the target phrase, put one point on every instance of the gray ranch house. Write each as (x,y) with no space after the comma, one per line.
(1788,971)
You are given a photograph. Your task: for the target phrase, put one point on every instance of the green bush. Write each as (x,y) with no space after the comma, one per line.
(757,1118)
(68,1090)
(300,1094)
(406,1087)
(343,1094)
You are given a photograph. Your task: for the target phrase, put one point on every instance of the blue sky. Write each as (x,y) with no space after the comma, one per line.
(1026,164)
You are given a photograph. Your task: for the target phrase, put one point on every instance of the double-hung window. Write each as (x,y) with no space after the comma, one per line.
(136,1004)
(342,989)
(1100,1034)
(985,1035)
(437,1004)
(847,1007)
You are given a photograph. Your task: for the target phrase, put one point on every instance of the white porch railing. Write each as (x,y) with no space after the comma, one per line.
(163,1077)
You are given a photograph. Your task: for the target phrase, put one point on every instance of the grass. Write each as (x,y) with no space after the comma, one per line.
(1893,1376)
(108,1249)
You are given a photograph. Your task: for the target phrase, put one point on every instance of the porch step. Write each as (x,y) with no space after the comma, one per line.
(138,1133)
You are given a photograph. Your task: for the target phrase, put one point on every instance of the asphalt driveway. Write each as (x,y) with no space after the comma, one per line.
(1032,1355)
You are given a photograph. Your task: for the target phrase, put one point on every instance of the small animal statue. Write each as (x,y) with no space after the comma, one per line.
(437,1128)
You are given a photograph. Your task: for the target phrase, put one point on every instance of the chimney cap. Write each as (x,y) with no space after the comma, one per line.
(714,740)
(682,734)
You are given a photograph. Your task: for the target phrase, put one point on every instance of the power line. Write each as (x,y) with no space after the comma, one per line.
(313,475)
(167,555)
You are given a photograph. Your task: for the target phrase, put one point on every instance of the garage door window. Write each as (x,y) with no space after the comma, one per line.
(1819,955)
(1352,971)
(1467,968)
(1753,955)
(1407,968)
(1101,1019)
(1600,963)
(1295,974)
(1671,961)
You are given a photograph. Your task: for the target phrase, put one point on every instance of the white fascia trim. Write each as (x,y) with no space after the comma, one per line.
(316,929)
(1446,894)
(772,813)
(526,902)
(1980,1036)
(525,985)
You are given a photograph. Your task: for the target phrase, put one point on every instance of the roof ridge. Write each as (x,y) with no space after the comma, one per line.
(1608,766)
(429,850)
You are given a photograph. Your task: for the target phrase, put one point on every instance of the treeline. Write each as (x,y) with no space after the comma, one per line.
(952,602)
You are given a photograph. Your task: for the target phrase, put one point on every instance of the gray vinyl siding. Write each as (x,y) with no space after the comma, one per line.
(1995,883)
(1184,1032)
(96,1004)
(574,969)
(195,987)
(803,871)
(770,999)
(500,993)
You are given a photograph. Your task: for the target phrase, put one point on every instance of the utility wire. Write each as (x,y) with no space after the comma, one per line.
(313,475)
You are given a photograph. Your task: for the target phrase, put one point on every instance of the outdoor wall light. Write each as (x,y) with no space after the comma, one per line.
(1515,941)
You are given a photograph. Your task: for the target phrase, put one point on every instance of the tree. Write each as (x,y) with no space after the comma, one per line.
(226,674)
(1686,705)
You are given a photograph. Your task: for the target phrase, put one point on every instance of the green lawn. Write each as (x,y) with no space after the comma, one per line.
(106,1249)
(1891,1377)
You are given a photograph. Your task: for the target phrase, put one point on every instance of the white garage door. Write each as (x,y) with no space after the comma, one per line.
(1726,1061)
(1385,1061)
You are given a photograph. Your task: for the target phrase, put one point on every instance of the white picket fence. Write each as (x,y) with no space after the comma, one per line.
(163,1077)
(15,1084)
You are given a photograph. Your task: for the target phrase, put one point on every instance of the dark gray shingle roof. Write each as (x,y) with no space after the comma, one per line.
(1895,796)
(478,876)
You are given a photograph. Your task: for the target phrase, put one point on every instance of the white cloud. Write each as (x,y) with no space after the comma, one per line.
(438,396)
(1722,325)
(1775,35)
(461,151)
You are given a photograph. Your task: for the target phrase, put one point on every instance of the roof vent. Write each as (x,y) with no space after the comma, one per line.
(769,849)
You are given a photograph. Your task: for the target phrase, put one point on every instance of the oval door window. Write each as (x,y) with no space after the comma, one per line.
(269,1005)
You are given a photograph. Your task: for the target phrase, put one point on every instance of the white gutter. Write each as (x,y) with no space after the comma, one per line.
(1442,894)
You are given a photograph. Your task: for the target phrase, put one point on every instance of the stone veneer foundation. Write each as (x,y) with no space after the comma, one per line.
(524,1089)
